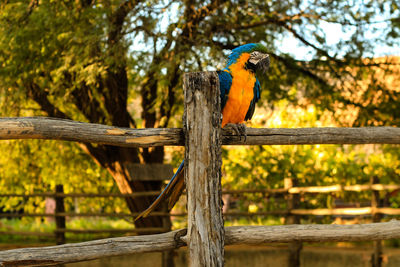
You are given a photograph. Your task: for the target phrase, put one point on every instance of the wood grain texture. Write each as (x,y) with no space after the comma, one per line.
(255,235)
(323,135)
(59,129)
(250,235)
(53,255)
(203,169)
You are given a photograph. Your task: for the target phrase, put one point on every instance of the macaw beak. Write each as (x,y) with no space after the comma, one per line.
(263,63)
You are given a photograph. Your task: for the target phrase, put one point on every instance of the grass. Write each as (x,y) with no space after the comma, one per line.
(32,226)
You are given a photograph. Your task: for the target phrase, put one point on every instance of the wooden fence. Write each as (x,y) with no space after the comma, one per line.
(290,192)
(202,137)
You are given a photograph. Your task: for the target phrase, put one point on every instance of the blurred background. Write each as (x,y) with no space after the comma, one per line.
(333,64)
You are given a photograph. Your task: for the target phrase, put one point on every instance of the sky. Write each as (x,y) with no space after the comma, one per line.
(288,44)
(334,34)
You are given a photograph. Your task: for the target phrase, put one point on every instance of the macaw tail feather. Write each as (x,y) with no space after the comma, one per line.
(173,190)
(177,191)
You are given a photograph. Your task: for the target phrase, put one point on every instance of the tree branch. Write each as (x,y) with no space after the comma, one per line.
(40,96)
(88,105)
(166,107)
(304,41)
(118,18)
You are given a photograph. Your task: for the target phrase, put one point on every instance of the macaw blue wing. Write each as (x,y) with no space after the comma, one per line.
(225,83)
(256,97)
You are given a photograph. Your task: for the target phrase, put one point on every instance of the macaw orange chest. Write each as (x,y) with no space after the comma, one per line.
(240,94)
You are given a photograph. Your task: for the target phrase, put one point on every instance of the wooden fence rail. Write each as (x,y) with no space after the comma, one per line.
(320,212)
(67,130)
(274,191)
(51,236)
(250,235)
(288,213)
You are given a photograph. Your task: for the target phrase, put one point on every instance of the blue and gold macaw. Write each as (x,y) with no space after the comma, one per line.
(240,91)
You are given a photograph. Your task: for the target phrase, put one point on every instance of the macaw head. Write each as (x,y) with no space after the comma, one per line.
(258,58)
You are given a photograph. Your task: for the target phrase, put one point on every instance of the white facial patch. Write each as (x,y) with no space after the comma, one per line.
(255,57)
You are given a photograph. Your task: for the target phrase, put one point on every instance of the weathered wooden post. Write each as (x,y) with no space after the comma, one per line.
(60,219)
(376,258)
(202,125)
(293,202)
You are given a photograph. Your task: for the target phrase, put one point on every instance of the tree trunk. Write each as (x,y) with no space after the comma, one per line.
(116,159)
(126,184)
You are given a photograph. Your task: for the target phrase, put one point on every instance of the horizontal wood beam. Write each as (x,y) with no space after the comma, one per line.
(255,235)
(73,214)
(84,195)
(347,211)
(292,190)
(319,212)
(249,235)
(340,188)
(148,230)
(67,130)
(54,255)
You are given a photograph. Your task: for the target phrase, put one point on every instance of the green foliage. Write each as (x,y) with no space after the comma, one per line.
(259,167)
(48,45)
(37,166)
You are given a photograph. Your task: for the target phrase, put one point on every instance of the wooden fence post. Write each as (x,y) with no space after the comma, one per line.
(60,220)
(293,201)
(376,258)
(202,127)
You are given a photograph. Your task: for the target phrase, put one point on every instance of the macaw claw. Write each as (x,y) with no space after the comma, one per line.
(240,129)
